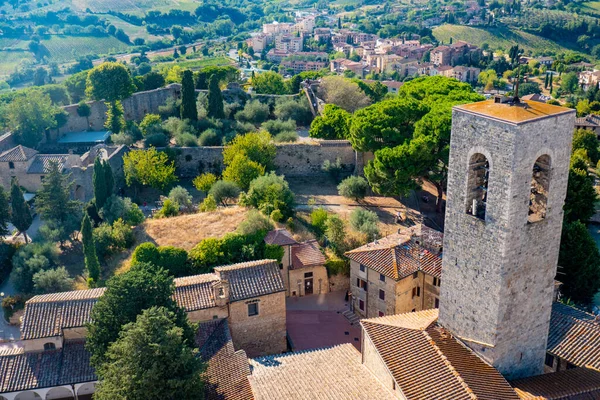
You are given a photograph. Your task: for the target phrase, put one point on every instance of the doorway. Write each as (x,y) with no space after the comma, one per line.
(308,286)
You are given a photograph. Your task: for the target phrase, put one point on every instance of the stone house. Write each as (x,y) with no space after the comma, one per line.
(397,274)
(53,362)
(303,265)
(590,122)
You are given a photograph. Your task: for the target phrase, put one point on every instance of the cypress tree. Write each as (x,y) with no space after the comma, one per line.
(89,250)
(188,97)
(215,99)
(4,213)
(109,179)
(99,182)
(21,214)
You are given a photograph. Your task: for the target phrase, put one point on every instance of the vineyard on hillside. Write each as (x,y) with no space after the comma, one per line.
(67,48)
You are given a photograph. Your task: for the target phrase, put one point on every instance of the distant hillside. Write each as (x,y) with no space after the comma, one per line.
(496,38)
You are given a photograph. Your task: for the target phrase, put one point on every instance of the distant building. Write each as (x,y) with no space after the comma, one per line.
(588,79)
(590,122)
(289,43)
(276,28)
(260,42)
(341,65)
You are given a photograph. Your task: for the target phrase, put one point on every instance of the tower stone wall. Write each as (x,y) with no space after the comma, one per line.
(498,265)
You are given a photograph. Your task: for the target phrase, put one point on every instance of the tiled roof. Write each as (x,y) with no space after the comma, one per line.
(427,362)
(334,373)
(195,292)
(41,163)
(65,366)
(590,120)
(398,256)
(572,384)
(574,336)
(19,153)
(307,254)
(227,370)
(252,279)
(280,237)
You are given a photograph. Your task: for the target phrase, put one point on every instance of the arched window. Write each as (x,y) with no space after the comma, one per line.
(540,184)
(477,185)
(49,346)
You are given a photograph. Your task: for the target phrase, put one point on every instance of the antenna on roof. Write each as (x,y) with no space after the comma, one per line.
(514,54)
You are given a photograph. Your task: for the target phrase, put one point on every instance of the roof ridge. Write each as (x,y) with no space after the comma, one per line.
(245,264)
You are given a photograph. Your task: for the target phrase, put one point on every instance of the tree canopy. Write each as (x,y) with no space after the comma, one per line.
(333,123)
(4,212)
(28,116)
(215,99)
(188,97)
(149,168)
(269,83)
(256,146)
(20,212)
(109,81)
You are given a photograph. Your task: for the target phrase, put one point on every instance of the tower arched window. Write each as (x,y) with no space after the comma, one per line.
(49,346)
(540,184)
(477,185)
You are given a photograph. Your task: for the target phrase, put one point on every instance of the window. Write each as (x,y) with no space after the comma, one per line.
(416,292)
(362,268)
(381,313)
(49,346)
(362,284)
(308,274)
(477,185)
(549,360)
(437,281)
(11,165)
(252,309)
(280,265)
(42,178)
(381,294)
(215,317)
(361,305)
(437,303)
(540,184)
(382,277)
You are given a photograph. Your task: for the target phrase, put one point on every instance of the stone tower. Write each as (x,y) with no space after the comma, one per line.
(506,189)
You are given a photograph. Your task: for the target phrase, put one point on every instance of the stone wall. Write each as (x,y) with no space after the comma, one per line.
(320,282)
(339,283)
(260,334)
(292,159)
(208,314)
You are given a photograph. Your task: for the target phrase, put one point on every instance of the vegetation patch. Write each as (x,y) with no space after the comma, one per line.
(66,48)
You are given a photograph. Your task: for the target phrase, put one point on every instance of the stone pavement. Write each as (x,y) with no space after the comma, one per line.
(317,321)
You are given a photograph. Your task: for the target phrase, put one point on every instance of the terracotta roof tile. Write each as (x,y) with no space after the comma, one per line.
(42,162)
(18,153)
(574,336)
(334,373)
(307,254)
(252,279)
(280,237)
(195,292)
(572,384)
(428,363)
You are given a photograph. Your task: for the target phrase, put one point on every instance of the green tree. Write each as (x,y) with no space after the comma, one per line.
(99,183)
(151,359)
(126,296)
(84,110)
(569,82)
(269,83)
(53,202)
(29,260)
(171,259)
(204,182)
(335,232)
(4,213)
(152,123)
(215,99)
(28,116)
(353,187)
(579,260)
(115,121)
(52,281)
(188,97)
(344,93)
(108,177)
(333,123)
(257,146)
(271,192)
(581,196)
(20,215)
(92,265)
(318,220)
(587,140)
(242,171)
(224,192)
(149,168)
(366,222)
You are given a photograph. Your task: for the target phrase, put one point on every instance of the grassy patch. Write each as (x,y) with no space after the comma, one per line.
(497,38)
(133,31)
(591,7)
(9,60)
(202,62)
(68,48)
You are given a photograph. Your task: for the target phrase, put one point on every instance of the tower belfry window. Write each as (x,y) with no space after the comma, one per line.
(477,186)
(540,184)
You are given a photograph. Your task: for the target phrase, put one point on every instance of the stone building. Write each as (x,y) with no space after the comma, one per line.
(506,188)
(303,264)
(54,364)
(590,122)
(397,274)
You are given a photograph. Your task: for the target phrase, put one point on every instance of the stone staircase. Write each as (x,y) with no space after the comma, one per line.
(351,317)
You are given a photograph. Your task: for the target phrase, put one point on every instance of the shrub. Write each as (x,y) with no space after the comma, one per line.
(186,140)
(337,266)
(365,221)
(12,304)
(133,216)
(176,126)
(52,281)
(151,124)
(254,111)
(156,140)
(181,196)
(122,139)
(169,258)
(318,218)
(169,209)
(117,207)
(204,182)
(29,260)
(286,137)
(289,108)
(276,215)
(335,233)
(145,253)
(254,222)
(353,187)
(7,251)
(274,252)
(209,138)
(257,146)
(209,204)
(334,169)
(277,126)
(170,108)
(122,235)
(224,192)
(242,171)
(103,240)
(271,192)
(112,238)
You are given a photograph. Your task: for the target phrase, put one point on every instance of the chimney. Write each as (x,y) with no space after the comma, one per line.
(221,293)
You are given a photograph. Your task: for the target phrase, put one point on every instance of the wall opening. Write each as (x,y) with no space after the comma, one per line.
(540,184)
(477,185)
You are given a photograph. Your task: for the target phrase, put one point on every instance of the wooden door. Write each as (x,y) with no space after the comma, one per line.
(308,286)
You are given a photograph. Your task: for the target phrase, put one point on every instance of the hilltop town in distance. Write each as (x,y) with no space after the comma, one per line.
(299,200)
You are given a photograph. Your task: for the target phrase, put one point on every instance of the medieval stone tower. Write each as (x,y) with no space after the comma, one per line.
(506,189)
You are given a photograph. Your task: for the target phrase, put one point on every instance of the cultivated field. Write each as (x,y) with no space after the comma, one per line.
(496,38)
(9,60)
(133,31)
(67,48)
(198,63)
